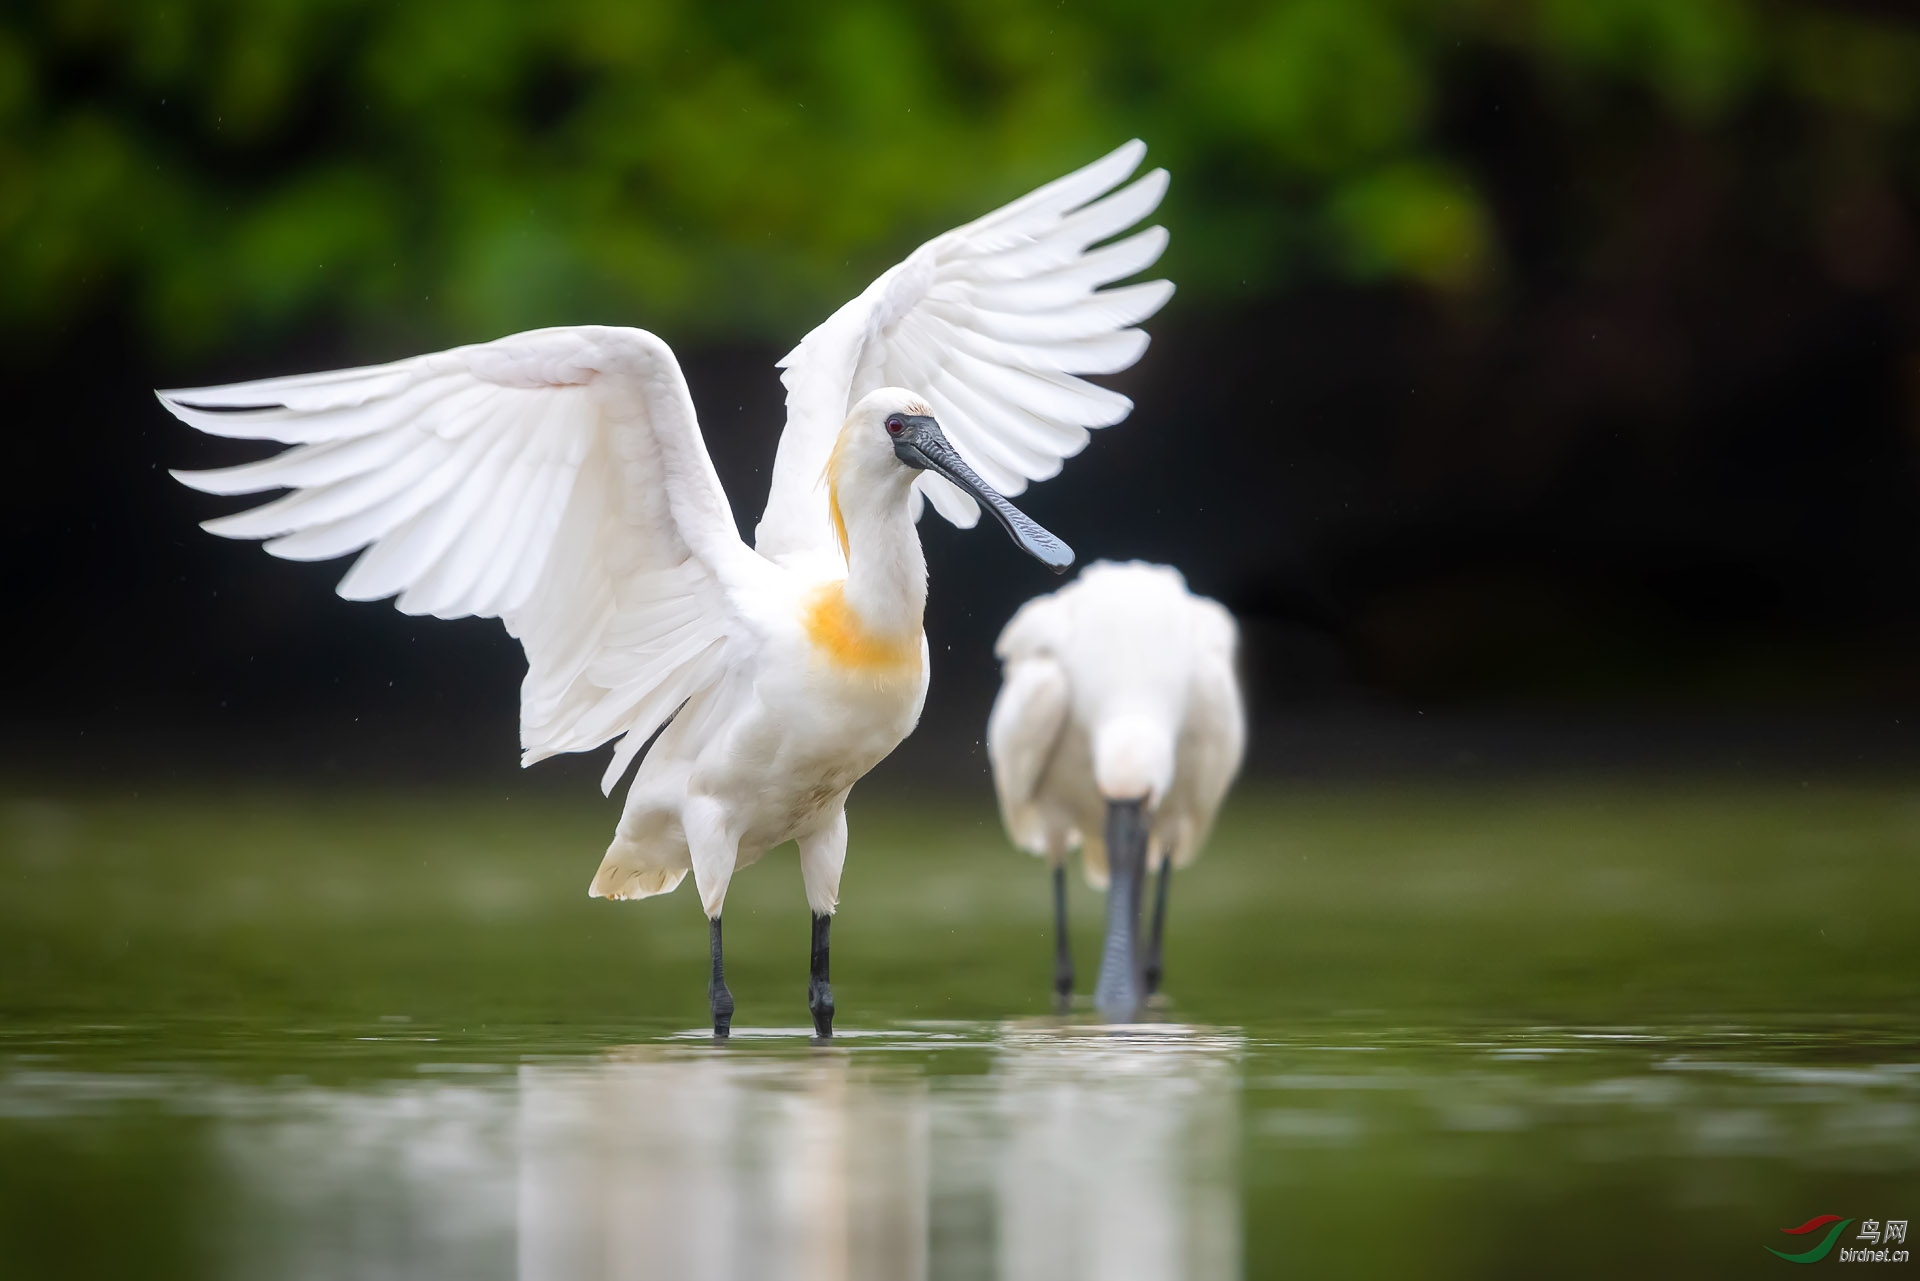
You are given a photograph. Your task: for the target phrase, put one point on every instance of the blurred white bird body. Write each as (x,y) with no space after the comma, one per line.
(1117,689)
(558,480)
(1119,686)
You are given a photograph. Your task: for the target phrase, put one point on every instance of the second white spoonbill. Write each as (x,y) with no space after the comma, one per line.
(1117,731)
(558,480)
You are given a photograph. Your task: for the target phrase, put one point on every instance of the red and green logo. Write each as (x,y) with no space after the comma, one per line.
(1814,1224)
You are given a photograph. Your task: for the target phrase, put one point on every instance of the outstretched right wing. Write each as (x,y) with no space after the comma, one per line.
(555,479)
(993,323)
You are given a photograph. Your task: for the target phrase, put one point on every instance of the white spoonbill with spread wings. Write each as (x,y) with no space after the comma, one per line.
(1118,729)
(558,480)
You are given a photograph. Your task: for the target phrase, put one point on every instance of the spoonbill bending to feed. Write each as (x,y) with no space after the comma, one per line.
(558,480)
(1118,728)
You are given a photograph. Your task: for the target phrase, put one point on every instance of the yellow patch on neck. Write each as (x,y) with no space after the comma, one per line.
(837,632)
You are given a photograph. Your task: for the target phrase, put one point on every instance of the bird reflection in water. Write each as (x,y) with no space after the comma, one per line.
(658,1165)
(1119,1155)
(1099,1154)
(1078,1152)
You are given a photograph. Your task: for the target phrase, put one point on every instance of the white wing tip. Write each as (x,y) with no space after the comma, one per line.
(235,397)
(1163,287)
(1113,168)
(346,592)
(206,482)
(223,526)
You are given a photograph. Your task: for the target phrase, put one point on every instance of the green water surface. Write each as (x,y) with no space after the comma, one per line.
(1498,1031)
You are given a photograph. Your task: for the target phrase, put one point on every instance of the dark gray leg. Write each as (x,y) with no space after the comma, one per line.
(719,1000)
(819,990)
(1062,953)
(1117,994)
(1159,925)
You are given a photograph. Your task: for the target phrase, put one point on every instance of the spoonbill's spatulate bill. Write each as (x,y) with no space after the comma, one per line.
(1117,730)
(558,480)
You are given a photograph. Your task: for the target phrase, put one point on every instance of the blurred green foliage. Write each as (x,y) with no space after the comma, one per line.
(218,167)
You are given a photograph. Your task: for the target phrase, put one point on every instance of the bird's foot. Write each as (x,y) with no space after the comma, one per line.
(820,1002)
(1151,977)
(720,1000)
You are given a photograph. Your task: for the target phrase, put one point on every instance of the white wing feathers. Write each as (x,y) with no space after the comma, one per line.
(1022,732)
(992,322)
(556,479)
(1028,716)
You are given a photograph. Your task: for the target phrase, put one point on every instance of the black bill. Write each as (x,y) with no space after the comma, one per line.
(1119,991)
(922,444)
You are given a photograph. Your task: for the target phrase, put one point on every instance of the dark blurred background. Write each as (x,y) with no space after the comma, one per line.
(1542,388)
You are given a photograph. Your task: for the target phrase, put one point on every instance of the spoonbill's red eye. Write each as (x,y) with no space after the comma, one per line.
(895,426)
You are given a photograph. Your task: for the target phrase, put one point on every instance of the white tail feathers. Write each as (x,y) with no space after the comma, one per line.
(616,879)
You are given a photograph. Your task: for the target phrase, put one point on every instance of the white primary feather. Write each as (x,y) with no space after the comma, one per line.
(555,479)
(1119,686)
(993,323)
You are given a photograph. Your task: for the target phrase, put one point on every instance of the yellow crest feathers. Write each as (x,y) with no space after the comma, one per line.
(832,478)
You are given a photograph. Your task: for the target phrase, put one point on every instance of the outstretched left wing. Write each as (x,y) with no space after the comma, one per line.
(1028,715)
(993,323)
(555,479)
